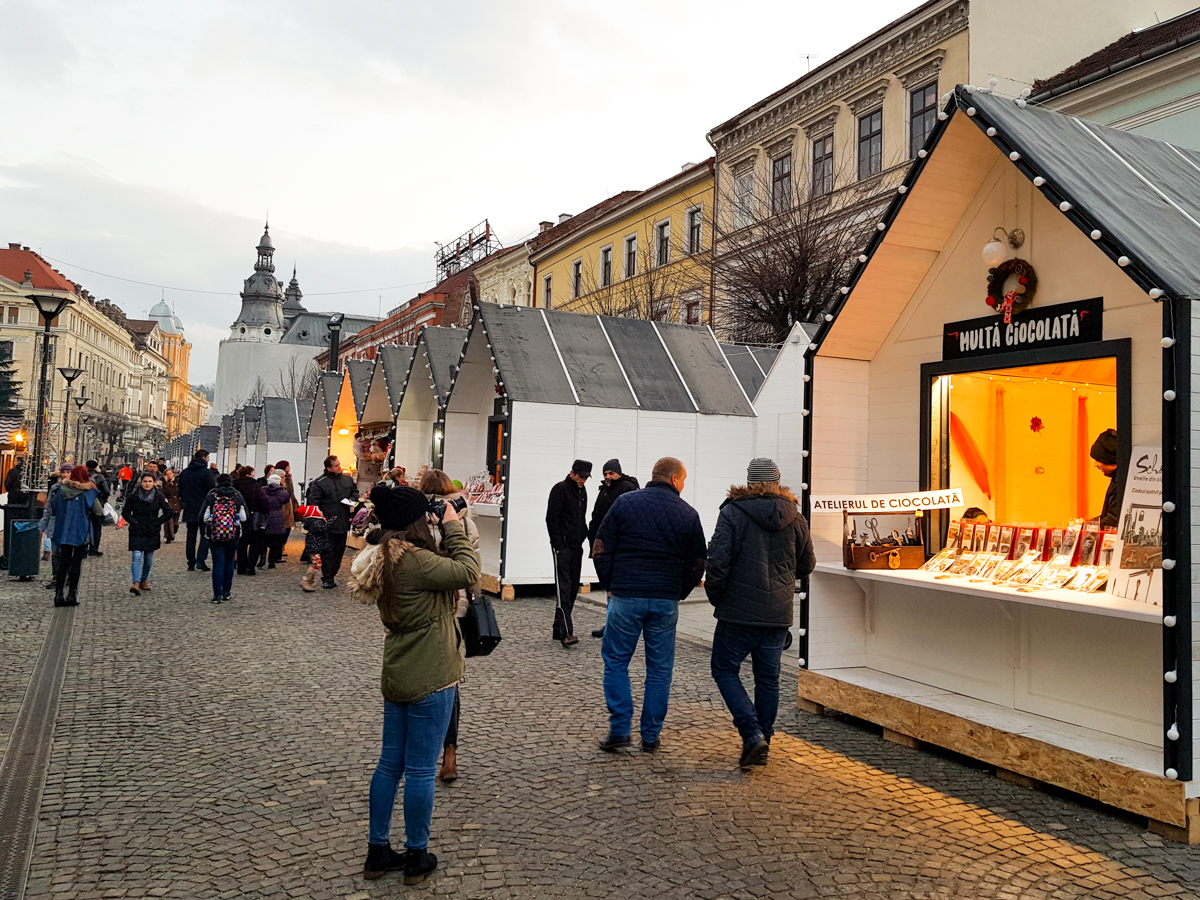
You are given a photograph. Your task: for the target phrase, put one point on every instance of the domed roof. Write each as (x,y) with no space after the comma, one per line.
(265,243)
(161,313)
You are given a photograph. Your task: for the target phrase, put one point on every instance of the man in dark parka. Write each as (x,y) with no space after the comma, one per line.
(566,523)
(759,549)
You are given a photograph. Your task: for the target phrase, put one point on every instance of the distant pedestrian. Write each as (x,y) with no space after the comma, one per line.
(224,513)
(47,522)
(146,510)
(170,489)
(649,555)
(276,499)
(412,585)
(254,534)
(335,492)
(194,484)
(615,484)
(316,543)
(73,514)
(284,469)
(760,547)
(566,523)
(104,488)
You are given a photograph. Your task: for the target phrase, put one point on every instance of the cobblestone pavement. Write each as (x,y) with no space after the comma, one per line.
(225,751)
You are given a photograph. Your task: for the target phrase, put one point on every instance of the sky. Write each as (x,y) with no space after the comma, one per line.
(146,143)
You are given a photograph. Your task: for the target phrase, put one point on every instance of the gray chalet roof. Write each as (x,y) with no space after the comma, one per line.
(444,347)
(360,371)
(284,420)
(250,416)
(395,361)
(547,356)
(308,328)
(746,365)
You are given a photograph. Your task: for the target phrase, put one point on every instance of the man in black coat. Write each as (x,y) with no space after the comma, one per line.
(328,491)
(1104,454)
(615,484)
(760,548)
(566,523)
(194,484)
(101,483)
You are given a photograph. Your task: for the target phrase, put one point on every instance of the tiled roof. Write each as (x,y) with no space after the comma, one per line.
(1123,53)
(573,224)
(17,260)
(140,326)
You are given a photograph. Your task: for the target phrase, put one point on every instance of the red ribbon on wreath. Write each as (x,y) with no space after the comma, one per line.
(1007,306)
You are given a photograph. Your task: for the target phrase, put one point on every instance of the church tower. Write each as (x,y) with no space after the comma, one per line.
(261,317)
(292,306)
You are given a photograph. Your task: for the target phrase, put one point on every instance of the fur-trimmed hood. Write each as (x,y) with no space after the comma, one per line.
(366,572)
(769,504)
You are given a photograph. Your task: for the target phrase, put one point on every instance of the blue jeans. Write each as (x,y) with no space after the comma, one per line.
(629,617)
(224,557)
(731,645)
(412,740)
(143,561)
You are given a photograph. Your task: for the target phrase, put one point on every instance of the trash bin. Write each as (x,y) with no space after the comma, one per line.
(25,551)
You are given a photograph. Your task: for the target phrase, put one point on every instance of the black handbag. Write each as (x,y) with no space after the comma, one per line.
(258,521)
(479,627)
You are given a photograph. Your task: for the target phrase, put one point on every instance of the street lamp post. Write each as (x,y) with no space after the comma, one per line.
(49,308)
(69,373)
(80,403)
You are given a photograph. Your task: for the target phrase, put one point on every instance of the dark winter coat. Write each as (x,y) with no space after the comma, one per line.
(144,518)
(650,544)
(252,493)
(170,490)
(316,536)
(327,492)
(276,498)
(760,547)
(566,515)
(1110,514)
(74,512)
(194,484)
(605,498)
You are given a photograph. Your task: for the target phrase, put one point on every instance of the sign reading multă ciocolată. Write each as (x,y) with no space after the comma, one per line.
(883,503)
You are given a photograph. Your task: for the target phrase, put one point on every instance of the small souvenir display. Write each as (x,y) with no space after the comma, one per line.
(882,542)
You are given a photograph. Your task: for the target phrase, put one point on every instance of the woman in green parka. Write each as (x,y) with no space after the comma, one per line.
(414,586)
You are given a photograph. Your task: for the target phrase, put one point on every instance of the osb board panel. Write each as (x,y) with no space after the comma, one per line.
(1137,792)
(490,583)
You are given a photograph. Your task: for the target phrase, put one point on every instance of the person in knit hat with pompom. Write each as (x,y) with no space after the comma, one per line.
(316,542)
(760,548)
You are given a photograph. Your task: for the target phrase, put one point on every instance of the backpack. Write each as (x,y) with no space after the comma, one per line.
(224,526)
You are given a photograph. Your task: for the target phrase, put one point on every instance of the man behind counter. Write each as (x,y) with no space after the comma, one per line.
(1104,452)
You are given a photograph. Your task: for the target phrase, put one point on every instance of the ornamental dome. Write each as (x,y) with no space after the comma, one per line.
(167,321)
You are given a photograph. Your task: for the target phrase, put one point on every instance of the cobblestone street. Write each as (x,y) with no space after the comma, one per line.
(225,751)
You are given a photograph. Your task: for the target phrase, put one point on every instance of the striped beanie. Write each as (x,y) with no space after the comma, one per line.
(761,469)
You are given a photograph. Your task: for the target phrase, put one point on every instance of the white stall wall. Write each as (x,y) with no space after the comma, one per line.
(274,451)
(314,457)
(414,439)
(780,406)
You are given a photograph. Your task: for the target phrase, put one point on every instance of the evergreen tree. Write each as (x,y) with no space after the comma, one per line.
(10,388)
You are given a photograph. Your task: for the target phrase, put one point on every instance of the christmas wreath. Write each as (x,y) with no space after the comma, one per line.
(1006,303)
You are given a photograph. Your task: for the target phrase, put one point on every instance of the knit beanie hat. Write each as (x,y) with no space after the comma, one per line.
(1104,449)
(761,469)
(307,511)
(398,507)
(613,465)
(274,479)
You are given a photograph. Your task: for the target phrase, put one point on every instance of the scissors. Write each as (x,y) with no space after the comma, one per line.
(873,524)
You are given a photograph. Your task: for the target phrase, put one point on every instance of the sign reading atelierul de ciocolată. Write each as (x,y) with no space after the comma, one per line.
(1038,326)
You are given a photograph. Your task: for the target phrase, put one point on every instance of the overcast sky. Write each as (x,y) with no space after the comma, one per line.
(150,140)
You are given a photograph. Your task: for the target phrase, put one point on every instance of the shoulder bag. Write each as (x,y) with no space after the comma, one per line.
(479,627)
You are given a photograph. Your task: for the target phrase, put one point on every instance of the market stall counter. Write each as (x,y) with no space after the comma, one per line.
(1042,620)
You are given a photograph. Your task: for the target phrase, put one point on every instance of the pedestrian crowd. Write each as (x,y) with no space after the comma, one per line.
(421,569)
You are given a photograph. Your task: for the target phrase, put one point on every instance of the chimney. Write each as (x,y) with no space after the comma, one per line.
(686,166)
(12,246)
(562,217)
(544,226)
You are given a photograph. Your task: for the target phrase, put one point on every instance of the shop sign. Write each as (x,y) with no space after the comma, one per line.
(890,503)
(1137,569)
(1039,326)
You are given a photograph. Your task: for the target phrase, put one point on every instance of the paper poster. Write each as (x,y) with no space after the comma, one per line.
(1137,564)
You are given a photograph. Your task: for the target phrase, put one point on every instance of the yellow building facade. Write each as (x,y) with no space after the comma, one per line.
(642,254)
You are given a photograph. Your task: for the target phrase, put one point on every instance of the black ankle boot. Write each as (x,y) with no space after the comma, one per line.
(381,859)
(417,865)
(59,599)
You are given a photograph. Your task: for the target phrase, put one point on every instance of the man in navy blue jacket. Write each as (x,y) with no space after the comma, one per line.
(649,554)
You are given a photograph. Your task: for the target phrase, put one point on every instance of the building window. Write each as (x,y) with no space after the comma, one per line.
(606,267)
(870,144)
(690,312)
(6,350)
(743,199)
(577,278)
(922,104)
(546,292)
(781,183)
(694,219)
(662,243)
(822,166)
(631,256)
(14,315)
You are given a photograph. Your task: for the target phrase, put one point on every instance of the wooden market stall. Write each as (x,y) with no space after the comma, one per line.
(535,389)
(917,385)
(282,432)
(420,422)
(377,415)
(320,424)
